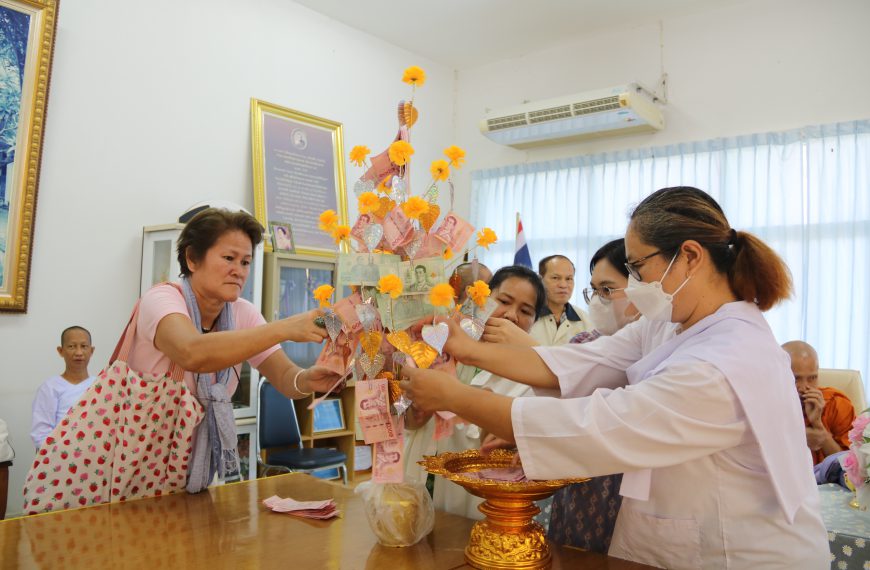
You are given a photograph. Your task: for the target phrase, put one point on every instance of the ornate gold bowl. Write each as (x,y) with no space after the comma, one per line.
(508,537)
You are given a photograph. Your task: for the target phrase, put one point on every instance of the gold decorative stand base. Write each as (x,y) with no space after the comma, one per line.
(508,537)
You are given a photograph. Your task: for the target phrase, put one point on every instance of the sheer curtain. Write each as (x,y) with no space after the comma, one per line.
(805,192)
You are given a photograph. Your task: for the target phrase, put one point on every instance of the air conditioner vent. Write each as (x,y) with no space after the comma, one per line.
(507,122)
(596,105)
(551,114)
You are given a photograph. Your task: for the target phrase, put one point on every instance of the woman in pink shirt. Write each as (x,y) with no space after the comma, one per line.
(204,327)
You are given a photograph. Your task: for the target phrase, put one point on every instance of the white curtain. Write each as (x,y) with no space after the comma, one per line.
(805,192)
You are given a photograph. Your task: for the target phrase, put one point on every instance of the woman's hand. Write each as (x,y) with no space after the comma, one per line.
(491,442)
(504,331)
(301,327)
(319,379)
(429,390)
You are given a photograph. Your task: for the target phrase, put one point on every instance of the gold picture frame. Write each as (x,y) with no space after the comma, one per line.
(298,165)
(27,32)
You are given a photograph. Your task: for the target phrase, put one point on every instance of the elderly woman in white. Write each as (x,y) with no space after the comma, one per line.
(695,402)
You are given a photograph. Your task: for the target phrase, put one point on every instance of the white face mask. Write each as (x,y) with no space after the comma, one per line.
(609,318)
(650,299)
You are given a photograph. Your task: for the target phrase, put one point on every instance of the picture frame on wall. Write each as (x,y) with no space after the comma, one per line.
(328,416)
(282,238)
(298,165)
(27,37)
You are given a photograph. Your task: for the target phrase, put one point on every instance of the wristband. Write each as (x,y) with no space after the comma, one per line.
(296,386)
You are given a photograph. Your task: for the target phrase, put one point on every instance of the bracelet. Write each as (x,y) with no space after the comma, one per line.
(296,386)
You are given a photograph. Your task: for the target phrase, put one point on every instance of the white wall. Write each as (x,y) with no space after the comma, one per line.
(149,114)
(765,65)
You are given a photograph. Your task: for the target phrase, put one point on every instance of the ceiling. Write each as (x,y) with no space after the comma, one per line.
(462,34)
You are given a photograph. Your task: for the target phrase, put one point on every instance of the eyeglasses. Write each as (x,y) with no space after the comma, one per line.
(603,293)
(632,266)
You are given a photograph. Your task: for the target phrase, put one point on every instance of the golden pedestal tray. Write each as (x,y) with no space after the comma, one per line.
(508,537)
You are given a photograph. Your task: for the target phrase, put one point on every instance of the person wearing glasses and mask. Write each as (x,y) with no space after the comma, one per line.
(693,403)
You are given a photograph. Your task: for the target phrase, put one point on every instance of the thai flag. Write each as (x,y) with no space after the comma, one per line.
(521,255)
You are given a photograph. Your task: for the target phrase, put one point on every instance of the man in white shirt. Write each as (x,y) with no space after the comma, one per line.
(559,321)
(59,393)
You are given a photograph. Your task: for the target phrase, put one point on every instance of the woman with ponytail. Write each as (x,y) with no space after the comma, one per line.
(694,402)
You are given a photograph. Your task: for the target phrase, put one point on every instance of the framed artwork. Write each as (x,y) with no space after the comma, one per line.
(328,416)
(298,164)
(282,238)
(27,30)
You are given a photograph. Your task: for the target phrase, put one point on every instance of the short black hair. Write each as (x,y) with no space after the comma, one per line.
(525,273)
(542,265)
(614,253)
(76,328)
(203,230)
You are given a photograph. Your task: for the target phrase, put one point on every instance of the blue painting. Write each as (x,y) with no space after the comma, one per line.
(14,35)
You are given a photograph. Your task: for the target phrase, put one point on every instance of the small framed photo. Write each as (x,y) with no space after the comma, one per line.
(282,237)
(329,416)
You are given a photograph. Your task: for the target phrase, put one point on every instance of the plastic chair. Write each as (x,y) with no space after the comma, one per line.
(278,426)
(847,381)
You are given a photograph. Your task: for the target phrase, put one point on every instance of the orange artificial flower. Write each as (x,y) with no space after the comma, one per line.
(448,254)
(368,203)
(414,76)
(328,220)
(322,295)
(390,285)
(442,295)
(340,233)
(486,237)
(440,169)
(400,153)
(456,156)
(358,154)
(478,292)
(415,207)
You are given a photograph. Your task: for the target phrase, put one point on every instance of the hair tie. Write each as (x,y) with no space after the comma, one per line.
(733,239)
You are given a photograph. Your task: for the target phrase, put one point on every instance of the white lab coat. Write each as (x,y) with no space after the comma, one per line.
(708,432)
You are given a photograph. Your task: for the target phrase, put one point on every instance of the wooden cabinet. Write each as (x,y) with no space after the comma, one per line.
(288,283)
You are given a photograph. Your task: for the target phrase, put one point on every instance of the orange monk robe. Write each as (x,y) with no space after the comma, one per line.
(837,417)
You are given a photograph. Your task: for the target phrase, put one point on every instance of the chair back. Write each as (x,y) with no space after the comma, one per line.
(277,422)
(847,381)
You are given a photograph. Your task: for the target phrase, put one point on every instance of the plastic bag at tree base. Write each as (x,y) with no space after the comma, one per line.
(400,514)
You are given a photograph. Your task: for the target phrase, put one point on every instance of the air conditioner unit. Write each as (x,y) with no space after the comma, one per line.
(614,111)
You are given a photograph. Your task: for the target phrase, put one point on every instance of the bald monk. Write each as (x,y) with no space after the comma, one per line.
(828,412)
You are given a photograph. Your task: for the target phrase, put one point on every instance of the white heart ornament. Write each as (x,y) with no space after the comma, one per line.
(397,185)
(436,335)
(431,194)
(372,365)
(367,315)
(413,247)
(472,327)
(372,235)
(333,324)
(363,186)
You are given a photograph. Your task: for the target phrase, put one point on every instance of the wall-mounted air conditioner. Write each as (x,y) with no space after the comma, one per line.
(614,111)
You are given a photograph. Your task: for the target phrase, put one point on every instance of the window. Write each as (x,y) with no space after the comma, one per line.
(805,192)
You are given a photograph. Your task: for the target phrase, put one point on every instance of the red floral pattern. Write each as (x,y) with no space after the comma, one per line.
(128,437)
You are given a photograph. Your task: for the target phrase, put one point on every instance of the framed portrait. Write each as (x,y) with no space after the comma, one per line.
(27,30)
(328,416)
(282,237)
(298,164)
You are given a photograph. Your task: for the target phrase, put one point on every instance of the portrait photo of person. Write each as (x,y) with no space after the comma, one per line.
(299,139)
(282,238)
(420,283)
(445,232)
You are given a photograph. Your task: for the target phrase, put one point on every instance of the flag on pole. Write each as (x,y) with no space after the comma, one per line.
(521,251)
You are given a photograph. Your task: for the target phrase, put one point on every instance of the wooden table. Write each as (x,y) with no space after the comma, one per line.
(228,527)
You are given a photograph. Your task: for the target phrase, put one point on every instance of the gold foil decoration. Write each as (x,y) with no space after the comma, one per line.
(371,342)
(428,219)
(386,206)
(407,114)
(423,354)
(400,339)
